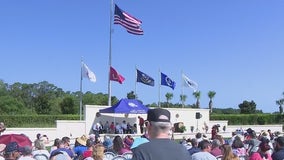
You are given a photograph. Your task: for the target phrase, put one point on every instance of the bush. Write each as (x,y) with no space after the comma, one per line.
(247,119)
(34,121)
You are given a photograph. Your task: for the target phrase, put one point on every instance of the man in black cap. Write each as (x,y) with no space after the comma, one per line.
(278,149)
(12,151)
(160,146)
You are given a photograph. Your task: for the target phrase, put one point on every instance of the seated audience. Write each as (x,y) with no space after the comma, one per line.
(228,153)
(263,151)
(204,154)
(215,150)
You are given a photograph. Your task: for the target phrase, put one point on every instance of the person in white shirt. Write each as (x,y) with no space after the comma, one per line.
(124,126)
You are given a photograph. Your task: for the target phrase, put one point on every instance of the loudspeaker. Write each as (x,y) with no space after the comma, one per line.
(198,115)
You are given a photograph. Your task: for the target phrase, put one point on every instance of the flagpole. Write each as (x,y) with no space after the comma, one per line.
(109,61)
(182,90)
(81,79)
(159,103)
(135,83)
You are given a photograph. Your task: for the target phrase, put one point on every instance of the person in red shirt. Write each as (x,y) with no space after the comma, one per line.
(112,128)
(141,124)
(89,151)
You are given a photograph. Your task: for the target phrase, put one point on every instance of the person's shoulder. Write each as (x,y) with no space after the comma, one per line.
(279,153)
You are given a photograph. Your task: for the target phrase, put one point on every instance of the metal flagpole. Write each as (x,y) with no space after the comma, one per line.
(182,93)
(81,79)
(109,61)
(159,104)
(135,83)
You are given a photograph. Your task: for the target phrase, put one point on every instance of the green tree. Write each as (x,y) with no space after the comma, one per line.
(67,105)
(11,106)
(197,95)
(131,95)
(247,107)
(89,98)
(182,99)
(169,97)
(42,105)
(211,95)
(3,88)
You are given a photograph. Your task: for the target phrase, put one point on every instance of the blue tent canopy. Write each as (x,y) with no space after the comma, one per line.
(128,106)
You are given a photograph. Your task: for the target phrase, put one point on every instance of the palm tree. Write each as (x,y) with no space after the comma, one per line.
(280,102)
(211,95)
(197,95)
(183,99)
(169,96)
(131,95)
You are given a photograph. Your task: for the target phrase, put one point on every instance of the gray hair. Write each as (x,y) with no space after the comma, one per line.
(160,127)
(216,143)
(39,144)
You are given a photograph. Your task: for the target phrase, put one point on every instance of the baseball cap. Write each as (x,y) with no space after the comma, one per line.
(11,147)
(158,115)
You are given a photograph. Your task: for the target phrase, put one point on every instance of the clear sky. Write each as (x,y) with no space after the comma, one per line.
(234,48)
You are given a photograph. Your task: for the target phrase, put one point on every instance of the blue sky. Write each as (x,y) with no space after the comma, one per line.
(234,48)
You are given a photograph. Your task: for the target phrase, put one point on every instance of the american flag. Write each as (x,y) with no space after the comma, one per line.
(131,24)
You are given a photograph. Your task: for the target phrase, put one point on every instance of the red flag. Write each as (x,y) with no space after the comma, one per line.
(115,76)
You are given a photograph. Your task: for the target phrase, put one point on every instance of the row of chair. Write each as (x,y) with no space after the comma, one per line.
(112,156)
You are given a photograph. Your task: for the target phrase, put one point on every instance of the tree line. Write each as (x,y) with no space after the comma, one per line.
(46,98)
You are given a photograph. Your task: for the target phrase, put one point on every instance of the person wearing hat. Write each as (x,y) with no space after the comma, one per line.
(12,151)
(160,145)
(252,142)
(108,144)
(80,146)
(278,149)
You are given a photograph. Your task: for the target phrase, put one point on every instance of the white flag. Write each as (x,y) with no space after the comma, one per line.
(86,72)
(189,83)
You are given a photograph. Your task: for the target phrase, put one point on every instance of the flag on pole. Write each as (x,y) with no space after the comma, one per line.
(87,73)
(166,81)
(144,78)
(130,23)
(189,83)
(115,76)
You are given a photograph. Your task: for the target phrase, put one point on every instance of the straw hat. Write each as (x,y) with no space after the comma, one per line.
(82,140)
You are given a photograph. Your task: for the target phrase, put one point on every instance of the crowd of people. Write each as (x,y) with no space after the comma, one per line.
(114,128)
(247,145)
(155,143)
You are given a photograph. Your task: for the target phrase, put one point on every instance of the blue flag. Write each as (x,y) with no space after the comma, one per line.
(166,81)
(144,78)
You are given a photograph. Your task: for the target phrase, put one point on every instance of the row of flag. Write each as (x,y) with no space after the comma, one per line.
(140,77)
